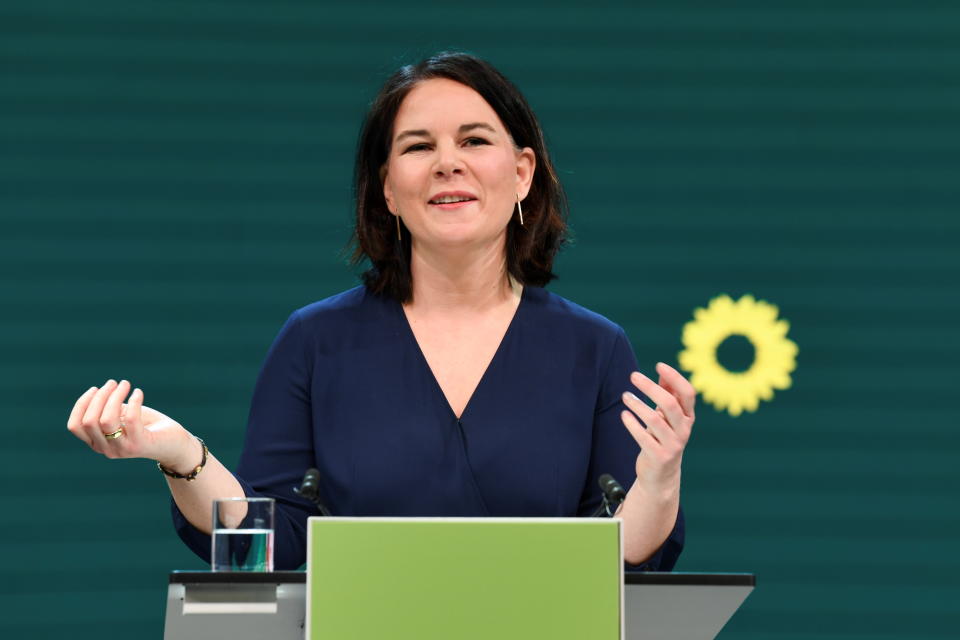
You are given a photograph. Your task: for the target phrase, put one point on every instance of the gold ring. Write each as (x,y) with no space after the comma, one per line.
(113,436)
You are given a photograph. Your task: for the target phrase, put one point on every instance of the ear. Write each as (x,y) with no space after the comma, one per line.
(526,165)
(387,190)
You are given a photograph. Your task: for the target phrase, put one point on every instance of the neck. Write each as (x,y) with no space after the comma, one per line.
(461,279)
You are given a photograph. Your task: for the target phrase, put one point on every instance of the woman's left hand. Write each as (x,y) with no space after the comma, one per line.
(667,427)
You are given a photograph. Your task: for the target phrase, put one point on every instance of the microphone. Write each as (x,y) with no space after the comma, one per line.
(612,491)
(310,489)
(613,495)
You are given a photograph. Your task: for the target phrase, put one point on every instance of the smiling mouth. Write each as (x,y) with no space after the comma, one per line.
(451,200)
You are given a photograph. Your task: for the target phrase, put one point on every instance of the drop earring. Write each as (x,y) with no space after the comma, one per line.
(519,210)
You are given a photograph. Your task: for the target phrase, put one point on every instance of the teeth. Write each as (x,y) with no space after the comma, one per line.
(449,199)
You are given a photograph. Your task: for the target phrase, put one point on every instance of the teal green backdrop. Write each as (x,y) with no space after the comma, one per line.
(165,166)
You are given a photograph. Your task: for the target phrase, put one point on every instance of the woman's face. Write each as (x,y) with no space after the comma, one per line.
(453,173)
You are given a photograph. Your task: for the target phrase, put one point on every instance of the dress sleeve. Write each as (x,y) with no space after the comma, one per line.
(278,448)
(614,450)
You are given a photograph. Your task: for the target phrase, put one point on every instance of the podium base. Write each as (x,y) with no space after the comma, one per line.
(247,606)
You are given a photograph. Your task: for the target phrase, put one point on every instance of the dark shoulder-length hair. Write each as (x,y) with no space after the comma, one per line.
(530,249)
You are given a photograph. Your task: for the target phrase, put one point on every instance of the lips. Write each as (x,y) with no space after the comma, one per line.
(451,198)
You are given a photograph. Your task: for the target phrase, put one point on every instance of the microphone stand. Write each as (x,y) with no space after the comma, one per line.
(613,496)
(310,489)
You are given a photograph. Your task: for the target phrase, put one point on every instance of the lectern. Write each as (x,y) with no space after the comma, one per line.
(202,605)
(468,579)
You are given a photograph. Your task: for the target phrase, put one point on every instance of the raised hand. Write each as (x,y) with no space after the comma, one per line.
(115,429)
(668,426)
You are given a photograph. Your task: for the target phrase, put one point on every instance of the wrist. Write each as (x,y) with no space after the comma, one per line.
(192,475)
(661,492)
(187,456)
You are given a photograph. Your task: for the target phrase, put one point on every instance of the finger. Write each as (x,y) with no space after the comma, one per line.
(97,440)
(643,437)
(132,417)
(74,422)
(80,407)
(91,417)
(134,407)
(674,382)
(664,400)
(110,418)
(655,422)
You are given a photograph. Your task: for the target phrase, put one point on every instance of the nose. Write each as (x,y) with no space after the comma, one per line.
(448,161)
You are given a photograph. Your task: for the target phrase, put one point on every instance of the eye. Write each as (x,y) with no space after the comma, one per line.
(474,141)
(420,146)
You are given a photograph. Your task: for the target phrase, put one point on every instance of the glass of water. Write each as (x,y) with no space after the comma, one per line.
(242,534)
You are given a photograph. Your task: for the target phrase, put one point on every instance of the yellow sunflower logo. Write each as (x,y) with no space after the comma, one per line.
(775,356)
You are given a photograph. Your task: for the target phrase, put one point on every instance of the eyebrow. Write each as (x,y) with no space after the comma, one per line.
(410,133)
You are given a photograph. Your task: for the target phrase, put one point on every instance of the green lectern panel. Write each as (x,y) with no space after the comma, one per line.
(464,578)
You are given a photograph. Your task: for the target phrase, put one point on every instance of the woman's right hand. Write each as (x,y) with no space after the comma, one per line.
(146,433)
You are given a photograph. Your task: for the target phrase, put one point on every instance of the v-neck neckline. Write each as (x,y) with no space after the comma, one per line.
(496,356)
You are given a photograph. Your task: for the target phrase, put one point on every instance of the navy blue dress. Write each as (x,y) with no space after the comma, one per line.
(345,388)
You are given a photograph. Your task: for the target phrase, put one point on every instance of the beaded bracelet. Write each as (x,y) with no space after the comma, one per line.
(193,474)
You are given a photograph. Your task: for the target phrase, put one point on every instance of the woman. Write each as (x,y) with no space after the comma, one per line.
(451,383)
